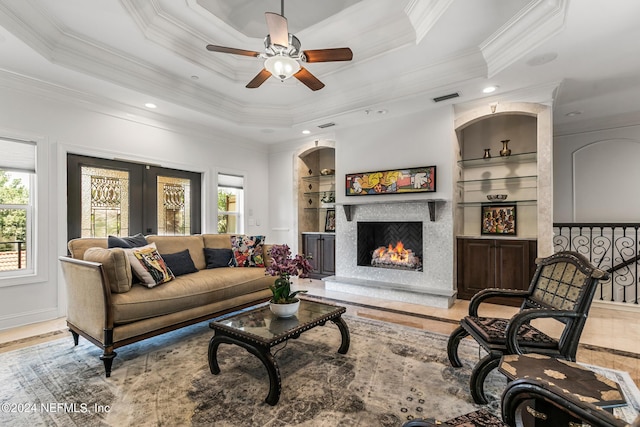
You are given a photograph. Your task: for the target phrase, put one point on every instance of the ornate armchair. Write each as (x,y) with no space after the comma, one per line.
(562,289)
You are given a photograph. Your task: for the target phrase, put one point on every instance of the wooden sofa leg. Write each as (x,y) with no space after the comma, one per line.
(76,337)
(107,359)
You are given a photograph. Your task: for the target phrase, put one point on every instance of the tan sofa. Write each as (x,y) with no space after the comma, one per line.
(110,314)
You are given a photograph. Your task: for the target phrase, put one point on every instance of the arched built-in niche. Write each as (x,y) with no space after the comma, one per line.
(540,119)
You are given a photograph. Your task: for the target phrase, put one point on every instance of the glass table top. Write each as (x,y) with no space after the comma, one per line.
(264,325)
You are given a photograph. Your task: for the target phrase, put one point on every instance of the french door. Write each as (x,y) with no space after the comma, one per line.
(114,197)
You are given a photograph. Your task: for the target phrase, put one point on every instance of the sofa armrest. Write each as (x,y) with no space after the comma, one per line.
(88,297)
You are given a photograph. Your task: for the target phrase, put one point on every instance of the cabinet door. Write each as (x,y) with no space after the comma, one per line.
(475,266)
(512,264)
(328,254)
(312,249)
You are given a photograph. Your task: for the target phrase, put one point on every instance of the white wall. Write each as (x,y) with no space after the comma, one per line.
(63,127)
(420,139)
(596,176)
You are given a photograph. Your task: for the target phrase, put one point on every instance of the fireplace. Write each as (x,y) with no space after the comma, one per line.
(396,245)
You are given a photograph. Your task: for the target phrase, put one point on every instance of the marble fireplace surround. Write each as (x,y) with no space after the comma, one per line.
(432,287)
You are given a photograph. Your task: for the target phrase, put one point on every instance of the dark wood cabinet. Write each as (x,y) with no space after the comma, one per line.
(321,248)
(494,263)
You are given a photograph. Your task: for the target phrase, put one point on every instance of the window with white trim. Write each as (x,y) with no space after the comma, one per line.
(17,190)
(230,203)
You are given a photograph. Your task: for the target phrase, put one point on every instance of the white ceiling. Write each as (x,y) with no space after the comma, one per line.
(120,54)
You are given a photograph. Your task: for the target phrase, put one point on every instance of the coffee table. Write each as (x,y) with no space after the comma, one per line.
(257,330)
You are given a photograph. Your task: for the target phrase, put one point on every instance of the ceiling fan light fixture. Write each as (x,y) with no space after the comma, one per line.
(281,67)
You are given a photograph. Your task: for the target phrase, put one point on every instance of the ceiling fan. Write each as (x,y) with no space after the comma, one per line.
(283,56)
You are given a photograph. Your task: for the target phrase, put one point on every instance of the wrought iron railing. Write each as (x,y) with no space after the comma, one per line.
(614,247)
(12,255)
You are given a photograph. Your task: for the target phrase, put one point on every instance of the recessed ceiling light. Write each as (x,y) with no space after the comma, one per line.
(573,113)
(150,105)
(306,131)
(489,89)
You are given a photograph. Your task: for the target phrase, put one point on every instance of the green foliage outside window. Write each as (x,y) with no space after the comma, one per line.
(13,222)
(223,206)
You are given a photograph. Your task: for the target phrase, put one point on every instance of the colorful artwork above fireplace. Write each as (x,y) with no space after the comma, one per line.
(398,181)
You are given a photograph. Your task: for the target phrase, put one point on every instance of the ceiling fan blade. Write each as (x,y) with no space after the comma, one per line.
(214,48)
(308,79)
(259,79)
(278,29)
(328,55)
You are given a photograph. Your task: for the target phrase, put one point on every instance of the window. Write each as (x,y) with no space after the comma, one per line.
(17,182)
(230,203)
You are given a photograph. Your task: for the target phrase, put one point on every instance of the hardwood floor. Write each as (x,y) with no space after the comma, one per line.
(611,337)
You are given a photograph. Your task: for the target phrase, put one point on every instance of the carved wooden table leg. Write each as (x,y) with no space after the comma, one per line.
(261,352)
(344,332)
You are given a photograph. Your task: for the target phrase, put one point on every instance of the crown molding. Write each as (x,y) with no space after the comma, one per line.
(533,25)
(424,15)
(82,100)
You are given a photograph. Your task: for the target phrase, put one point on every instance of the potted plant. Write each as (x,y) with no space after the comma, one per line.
(284,302)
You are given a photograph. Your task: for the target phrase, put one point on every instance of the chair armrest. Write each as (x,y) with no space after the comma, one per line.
(519,391)
(484,294)
(525,317)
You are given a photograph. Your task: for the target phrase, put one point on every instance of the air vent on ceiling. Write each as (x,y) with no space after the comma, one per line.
(326,125)
(445,97)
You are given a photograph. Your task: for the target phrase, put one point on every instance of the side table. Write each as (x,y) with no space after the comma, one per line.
(571,377)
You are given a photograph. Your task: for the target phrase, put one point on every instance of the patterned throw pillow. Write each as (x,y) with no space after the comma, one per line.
(149,266)
(247,250)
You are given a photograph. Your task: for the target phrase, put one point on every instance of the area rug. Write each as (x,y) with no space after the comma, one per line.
(391,374)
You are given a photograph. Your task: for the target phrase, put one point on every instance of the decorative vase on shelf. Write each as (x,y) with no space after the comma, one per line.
(506,151)
(487,154)
(285,310)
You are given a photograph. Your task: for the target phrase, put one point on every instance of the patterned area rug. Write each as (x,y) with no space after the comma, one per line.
(391,374)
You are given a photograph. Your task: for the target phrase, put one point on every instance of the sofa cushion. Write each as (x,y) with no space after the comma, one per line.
(78,246)
(173,244)
(115,264)
(148,265)
(218,257)
(188,291)
(222,241)
(247,250)
(180,263)
(135,241)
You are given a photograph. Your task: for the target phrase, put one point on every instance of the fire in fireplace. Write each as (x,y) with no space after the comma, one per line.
(395,257)
(376,242)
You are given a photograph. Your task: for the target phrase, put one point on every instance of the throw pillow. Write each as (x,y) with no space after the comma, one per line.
(148,265)
(179,263)
(115,264)
(216,258)
(247,250)
(127,242)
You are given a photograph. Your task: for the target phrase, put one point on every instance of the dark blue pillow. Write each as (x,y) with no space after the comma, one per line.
(127,242)
(216,257)
(179,263)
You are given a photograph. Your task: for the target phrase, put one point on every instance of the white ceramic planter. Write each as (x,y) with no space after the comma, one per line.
(285,310)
